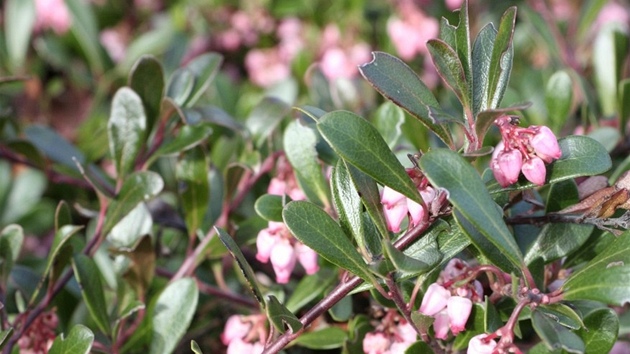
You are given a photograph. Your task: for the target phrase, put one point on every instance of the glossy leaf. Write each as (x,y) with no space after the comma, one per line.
(554,335)
(450,68)
(563,314)
(186,138)
(482,54)
(323,339)
(53,145)
(269,207)
(359,143)
(559,97)
(127,130)
(398,83)
(138,187)
(501,60)
(367,188)
(172,315)
(204,68)
(131,227)
(388,120)
(348,204)
(415,265)
(193,187)
(19,19)
(248,273)
(600,330)
(24,195)
(463,45)
(280,316)
(557,240)
(446,169)
(213,115)
(299,145)
(147,80)
(605,278)
(89,278)
(265,117)
(309,288)
(581,156)
(78,341)
(180,86)
(316,229)
(11,239)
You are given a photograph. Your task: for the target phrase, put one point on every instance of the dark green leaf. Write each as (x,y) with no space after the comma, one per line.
(194,190)
(446,169)
(280,316)
(89,278)
(63,215)
(85,30)
(316,229)
(138,187)
(555,335)
(11,238)
(388,119)
(359,143)
(142,265)
(131,227)
(463,46)
(450,68)
(415,265)
(371,198)
(186,138)
(557,240)
(447,32)
(214,115)
(501,60)
(172,315)
(397,82)
(311,112)
(19,19)
(486,118)
(269,207)
(147,80)
(600,332)
(624,104)
(248,273)
(29,151)
(605,278)
(581,156)
(79,341)
(482,57)
(310,287)
(204,68)
(265,117)
(559,98)
(419,347)
(4,335)
(180,86)
(323,339)
(127,130)
(563,314)
(299,145)
(348,204)
(53,145)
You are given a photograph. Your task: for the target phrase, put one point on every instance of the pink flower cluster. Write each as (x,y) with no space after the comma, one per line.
(410,32)
(393,336)
(450,307)
(39,337)
(53,14)
(340,58)
(240,334)
(523,150)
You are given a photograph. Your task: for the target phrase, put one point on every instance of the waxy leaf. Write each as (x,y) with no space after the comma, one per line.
(501,60)
(138,187)
(78,341)
(323,339)
(192,177)
(280,316)
(53,145)
(269,207)
(450,69)
(388,120)
(605,278)
(558,98)
(600,330)
(248,273)
(316,229)
(180,86)
(563,314)
(397,82)
(186,138)
(127,130)
(348,204)
(371,197)
(265,117)
(557,240)
(447,169)
(204,68)
(359,143)
(554,335)
(172,315)
(89,278)
(147,80)
(132,227)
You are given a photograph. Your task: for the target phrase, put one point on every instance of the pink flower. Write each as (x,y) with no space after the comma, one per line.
(238,346)
(265,67)
(265,241)
(545,144)
(434,300)
(283,260)
(441,324)
(307,258)
(376,343)
(454,268)
(481,345)
(113,41)
(453,4)
(52,14)
(509,164)
(458,309)
(396,208)
(234,328)
(406,333)
(535,171)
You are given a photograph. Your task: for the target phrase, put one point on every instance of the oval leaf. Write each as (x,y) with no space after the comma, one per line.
(559,97)
(600,332)
(450,69)
(204,68)
(554,335)
(172,315)
(194,189)
(359,143)
(265,117)
(323,339)
(147,80)
(79,341)
(316,229)
(19,20)
(269,207)
(89,278)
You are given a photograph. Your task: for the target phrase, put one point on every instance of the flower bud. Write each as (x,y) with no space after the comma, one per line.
(434,300)
(441,324)
(264,244)
(376,343)
(406,333)
(307,258)
(239,346)
(283,260)
(458,309)
(545,144)
(394,216)
(234,328)
(390,197)
(480,345)
(510,163)
(535,171)
(454,268)
(417,213)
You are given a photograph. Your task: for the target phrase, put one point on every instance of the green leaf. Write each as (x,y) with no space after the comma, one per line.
(248,273)
(186,138)
(299,145)
(348,204)
(195,347)
(11,238)
(204,68)
(53,145)
(606,66)
(367,188)
(450,68)
(359,143)
(265,117)
(85,30)
(563,314)
(557,240)
(180,86)
(559,98)
(316,229)
(600,330)
(127,130)
(25,194)
(624,104)
(554,335)
(138,187)
(79,341)
(447,169)
(415,265)
(323,339)
(142,265)
(280,316)
(19,20)
(4,335)
(269,207)
(588,15)
(463,46)
(212,114)
(486,118)
(310,287)
(131,227)
(398,83)
(147,80)
(474,326)
(482,57)
(501,60)
(581,156)
(388,120)
(172,314)
(89,278)
(605,278)
(194,190)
